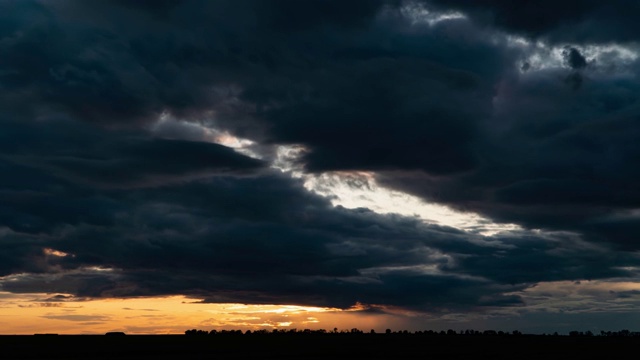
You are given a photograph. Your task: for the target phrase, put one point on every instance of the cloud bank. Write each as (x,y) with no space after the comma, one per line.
(524,115)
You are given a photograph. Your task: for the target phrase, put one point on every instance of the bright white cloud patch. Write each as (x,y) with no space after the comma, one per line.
(169,127)
(606,59)
(352,189)
(418,14)
(359,189)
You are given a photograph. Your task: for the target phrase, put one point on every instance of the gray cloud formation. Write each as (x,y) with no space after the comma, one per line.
(441,110)
(262,238)
(571,20)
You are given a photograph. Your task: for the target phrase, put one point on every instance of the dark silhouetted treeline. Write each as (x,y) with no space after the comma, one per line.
(355,331)
(320,344)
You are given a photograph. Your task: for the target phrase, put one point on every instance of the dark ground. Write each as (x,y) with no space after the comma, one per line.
(327,346)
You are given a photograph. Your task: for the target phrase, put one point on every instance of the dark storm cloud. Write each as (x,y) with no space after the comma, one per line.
(571,20)
(556,156)
(573,57)
(577,62)
(114,158)
(438,109)
(385,113)
(113,63)
(316,79)
(267,240)
(50,171)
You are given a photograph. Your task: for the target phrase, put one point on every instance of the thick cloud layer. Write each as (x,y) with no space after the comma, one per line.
(255,235)
(525,114)
(266,239)
(570,20)
(559,155)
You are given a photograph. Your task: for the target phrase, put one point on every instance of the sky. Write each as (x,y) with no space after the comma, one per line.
(276,164)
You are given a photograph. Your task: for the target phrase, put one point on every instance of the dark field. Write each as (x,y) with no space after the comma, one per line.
(328,346)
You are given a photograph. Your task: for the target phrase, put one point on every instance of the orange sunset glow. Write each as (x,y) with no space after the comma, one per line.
(36,313)
(318,166)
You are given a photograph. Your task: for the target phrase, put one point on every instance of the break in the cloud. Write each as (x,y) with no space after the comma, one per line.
(567,21)
(143,143)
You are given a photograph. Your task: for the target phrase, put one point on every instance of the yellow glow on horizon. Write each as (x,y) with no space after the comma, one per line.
(271,309)
(63,314)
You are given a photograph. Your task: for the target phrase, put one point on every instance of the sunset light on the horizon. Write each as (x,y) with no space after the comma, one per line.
(330,165)
(27,314)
